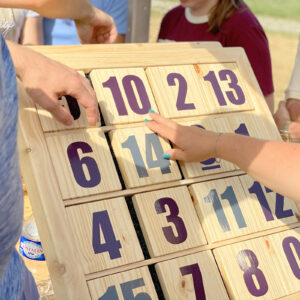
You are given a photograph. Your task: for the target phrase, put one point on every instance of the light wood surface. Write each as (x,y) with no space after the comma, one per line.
(192,277)
(270,275)
(124,95)
(168,220)
(226,208)
(105,223)
(83,163)
(137,282)
(66,199)
(139,154)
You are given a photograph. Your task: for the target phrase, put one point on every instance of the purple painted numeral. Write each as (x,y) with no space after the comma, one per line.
(258,191)
(182,91)
(77,164)
(110,244)
(287,247)
(73,107)
(233,84)
(160,207)
(242,130)
(112,84)
(211,77)
(226,75)
(209,162)
(252,271)
(128,82)
(279,207)
(194,270)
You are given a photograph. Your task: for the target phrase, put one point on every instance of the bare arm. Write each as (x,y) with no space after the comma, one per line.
(274,164)
(93,25)
(32,31)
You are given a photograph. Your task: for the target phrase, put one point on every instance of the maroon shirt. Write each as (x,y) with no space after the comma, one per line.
(242,29)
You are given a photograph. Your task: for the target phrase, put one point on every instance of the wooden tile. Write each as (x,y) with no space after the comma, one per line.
(169,221)
(83,163)
(124,285)
(272,209)
(177,91)
(210,166)
(223,88)
(191,277)
(124,95)
(139,154)
(104,234)
(73,106)
(264,268)
(226,211)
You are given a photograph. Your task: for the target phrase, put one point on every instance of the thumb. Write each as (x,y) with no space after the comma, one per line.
(177,154)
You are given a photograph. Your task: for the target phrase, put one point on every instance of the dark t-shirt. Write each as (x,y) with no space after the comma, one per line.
(242,29)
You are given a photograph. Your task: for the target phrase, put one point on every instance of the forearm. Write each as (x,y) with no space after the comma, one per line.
(274,164)
(73,9)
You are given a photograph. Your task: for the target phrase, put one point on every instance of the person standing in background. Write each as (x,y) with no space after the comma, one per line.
(27,27)
(63,31)
(230,22)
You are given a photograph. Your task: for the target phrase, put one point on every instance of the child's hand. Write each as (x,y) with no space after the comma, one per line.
(191,143)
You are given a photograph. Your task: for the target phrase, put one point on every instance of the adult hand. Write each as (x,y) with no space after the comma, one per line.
(46,81)
(282,115)
(293,106)
(99,28)
(191,143)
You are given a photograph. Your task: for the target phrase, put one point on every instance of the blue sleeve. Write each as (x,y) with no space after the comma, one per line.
(117,9)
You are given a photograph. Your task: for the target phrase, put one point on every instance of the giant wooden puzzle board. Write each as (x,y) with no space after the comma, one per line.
(119,222)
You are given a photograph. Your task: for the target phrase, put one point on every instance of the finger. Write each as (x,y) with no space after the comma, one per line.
(177,154)
(89,102)
(161,130)
(60,113)
(163,121)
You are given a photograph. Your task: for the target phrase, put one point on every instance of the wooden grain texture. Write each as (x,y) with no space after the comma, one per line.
(48,209)
(49,123)
(188,276)
(271,262)
(92,57)
(169,221)
(177,91)
(224,88)
(124,95)
(109,222)
(83,163)
(139,154)
(137,282)
(226,209)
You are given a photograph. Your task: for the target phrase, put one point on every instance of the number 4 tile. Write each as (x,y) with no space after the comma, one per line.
(104,235)
(191,277)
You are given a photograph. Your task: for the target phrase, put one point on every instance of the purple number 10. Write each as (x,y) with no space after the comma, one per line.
(128,81)
(225,75)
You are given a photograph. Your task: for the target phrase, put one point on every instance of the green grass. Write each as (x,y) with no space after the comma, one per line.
(286,9)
